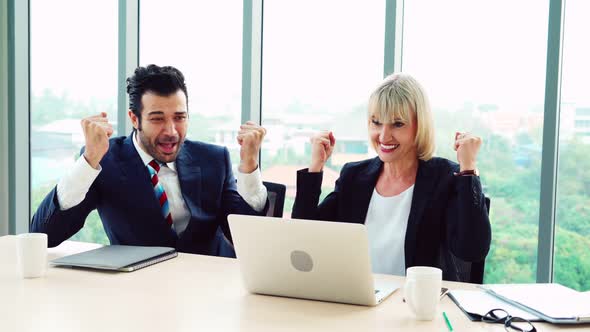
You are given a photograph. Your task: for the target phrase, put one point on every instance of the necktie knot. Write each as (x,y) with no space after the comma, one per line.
(155,165)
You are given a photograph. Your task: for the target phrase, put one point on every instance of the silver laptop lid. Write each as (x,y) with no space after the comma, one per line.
(317,260)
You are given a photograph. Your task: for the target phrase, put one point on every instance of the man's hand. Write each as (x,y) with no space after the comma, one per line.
(322,145)
(467,146)
(250,138)
(97,131)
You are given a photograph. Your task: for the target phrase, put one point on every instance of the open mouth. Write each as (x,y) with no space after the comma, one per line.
(388,147)
(167,148)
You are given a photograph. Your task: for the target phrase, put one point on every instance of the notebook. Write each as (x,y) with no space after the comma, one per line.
(117,258)
(553,302)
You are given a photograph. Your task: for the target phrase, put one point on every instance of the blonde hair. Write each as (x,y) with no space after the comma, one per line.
(400,96)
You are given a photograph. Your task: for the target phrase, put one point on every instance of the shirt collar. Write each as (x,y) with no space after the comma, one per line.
(146,157)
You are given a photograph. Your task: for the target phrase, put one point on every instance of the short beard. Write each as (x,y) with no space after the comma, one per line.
(151,149)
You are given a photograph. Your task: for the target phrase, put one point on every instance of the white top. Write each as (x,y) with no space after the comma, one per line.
(386,222)
(73,187)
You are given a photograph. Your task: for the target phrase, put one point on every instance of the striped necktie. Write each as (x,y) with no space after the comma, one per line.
(154,168)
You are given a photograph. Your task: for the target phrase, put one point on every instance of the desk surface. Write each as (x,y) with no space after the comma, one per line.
(189,293)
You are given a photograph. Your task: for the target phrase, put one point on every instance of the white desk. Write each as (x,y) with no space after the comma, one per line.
(188,293)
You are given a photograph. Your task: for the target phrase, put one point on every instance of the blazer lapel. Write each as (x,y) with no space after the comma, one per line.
(189,176)
(363,190)
(135,175)
(422,192)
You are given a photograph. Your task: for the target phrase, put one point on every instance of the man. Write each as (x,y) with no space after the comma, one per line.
(153,188)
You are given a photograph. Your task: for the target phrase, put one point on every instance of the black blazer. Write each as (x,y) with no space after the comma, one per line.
(130,212)
(445,208)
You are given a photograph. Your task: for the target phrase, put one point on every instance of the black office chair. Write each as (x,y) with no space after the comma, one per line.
(276,198)
(456,269)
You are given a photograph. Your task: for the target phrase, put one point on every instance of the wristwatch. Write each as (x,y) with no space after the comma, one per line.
(468,172)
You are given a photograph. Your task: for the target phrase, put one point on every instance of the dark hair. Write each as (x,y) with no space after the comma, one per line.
(163,81)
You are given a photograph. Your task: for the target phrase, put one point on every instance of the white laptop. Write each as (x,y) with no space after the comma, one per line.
(317,260)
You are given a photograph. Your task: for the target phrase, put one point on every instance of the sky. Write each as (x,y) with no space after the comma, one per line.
(74,47)
(326,54)
(493,51)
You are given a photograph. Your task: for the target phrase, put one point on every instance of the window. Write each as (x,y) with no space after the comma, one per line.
(203,39)
(572,234)
(318,76)
(484,71)
(73,75)
(582,124)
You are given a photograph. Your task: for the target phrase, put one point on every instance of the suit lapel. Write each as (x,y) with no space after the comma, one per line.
(189,176)
(363,190)
(135,175)
(422,192)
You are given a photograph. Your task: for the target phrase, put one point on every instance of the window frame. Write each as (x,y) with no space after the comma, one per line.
(18,149)
(4,117)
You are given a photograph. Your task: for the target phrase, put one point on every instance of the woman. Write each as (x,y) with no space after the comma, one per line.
(411,202)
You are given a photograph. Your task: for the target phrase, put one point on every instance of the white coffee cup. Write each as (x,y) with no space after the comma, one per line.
(422,290)
(31,251)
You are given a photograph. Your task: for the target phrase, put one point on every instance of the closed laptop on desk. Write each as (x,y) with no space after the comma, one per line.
(117,258)
(316,260)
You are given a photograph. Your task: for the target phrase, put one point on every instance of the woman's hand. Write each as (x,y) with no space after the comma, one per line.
(322,145)
(467,147)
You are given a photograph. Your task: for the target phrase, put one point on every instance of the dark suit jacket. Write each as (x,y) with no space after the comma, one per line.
(444,208)
(130,212)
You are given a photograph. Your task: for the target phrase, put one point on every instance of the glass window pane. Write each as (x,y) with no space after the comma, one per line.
(322,59)
(203,39)
(572,235)
(73,75)
(484,71)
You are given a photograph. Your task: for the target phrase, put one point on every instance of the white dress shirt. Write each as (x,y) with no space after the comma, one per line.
(73,187)
(386,222)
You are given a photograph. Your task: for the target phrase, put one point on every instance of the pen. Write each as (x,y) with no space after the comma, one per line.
(447,321)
